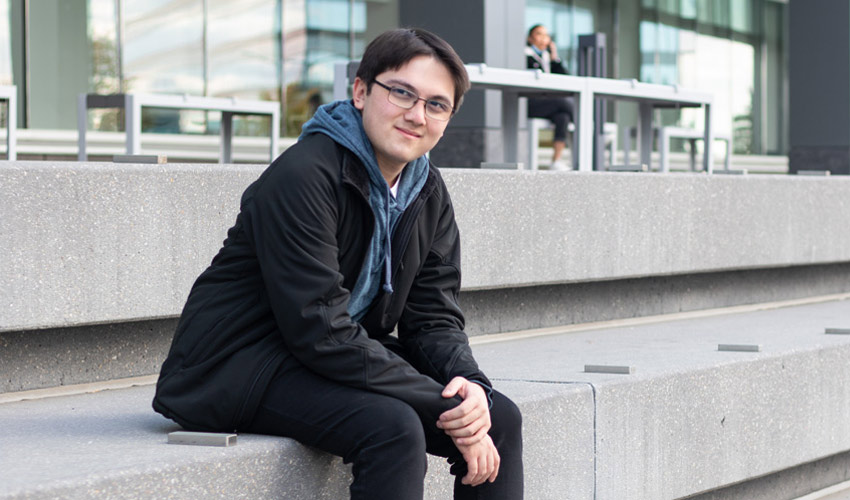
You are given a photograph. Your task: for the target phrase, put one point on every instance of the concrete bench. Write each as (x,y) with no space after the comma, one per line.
(535,125)
(664,135)
(689,419)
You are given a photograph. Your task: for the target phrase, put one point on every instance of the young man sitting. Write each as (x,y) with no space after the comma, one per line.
(347,236)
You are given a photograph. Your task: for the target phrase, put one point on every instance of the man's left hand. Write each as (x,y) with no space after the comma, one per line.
(468,422)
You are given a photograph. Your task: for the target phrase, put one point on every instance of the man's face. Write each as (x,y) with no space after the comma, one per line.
(401,135)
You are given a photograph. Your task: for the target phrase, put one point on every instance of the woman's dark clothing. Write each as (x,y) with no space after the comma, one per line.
(558,110)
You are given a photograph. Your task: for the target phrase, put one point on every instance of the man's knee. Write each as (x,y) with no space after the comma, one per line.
(395,426)
(505,417)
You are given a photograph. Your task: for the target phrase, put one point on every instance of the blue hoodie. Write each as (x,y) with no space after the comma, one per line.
(342,122)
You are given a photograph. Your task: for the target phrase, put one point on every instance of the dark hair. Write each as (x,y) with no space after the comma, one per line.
(395,48)
(530,31)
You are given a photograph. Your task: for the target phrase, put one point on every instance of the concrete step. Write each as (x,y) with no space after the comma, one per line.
(689,419)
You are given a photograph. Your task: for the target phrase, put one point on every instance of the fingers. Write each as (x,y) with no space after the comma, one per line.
(497,463)
(469,440)
(462,415)
(453,387)
(471,471)
(482,464)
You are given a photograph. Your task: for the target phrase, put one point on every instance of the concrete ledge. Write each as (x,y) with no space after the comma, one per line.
(532,228)
(690,420)
(90,243)
(112,445)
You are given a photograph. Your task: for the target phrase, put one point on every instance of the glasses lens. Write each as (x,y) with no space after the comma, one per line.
(402,97)
(438,110)
(406,99)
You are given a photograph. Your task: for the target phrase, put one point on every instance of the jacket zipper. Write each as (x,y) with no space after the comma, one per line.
(407,223)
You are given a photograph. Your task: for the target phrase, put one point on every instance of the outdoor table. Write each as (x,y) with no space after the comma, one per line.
(9,93)
(649,96)
(517,83)
(133,104)
(514,84)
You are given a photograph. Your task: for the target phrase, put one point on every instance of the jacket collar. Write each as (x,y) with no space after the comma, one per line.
(354,173)
(542,59)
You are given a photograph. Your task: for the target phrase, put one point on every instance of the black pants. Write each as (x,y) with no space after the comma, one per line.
(558,110)
(382,436)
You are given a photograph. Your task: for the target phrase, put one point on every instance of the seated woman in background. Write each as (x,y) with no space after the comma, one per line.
(542,54)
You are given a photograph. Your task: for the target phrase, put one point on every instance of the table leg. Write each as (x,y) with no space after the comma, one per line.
(226,155)
(12,128)
(275,128)
(645,134)
(663,150)
(584,130)
(82,124)
(510,126)
(708,158)
(133,124)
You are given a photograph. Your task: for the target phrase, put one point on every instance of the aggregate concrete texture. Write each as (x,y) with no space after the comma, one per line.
(83,354)
(690,420)
(88,243)
(552,227)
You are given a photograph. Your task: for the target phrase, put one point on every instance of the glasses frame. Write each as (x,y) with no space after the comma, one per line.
(389,99)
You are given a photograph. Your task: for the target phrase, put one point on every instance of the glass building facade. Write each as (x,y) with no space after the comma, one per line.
(285,50)
(734,49)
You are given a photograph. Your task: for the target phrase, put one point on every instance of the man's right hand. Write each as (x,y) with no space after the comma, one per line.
(482,461)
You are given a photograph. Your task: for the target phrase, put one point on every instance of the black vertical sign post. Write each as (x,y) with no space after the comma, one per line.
(591,62)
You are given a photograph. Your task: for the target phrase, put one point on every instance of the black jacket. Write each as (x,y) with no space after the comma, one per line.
(535,61)
(279,287)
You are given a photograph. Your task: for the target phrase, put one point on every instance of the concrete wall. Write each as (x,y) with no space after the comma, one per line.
(98,243)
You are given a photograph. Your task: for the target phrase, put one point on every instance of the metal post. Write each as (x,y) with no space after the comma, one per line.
(592,62)
(226,155)
(12,126)
(133,124)
(82,124)
(510,121)
(708,146)
(645,134)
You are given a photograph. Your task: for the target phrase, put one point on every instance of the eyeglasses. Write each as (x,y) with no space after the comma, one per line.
(403,98)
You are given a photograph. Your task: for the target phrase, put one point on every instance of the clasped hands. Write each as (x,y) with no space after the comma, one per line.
(467,424)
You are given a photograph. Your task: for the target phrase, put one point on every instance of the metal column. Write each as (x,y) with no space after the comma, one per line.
(592,58)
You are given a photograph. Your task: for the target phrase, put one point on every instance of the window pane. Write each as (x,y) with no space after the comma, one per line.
(669,6)
(103,47)
(317,34)
(564,23)
(105,77)
(163,52)
(58,47)
(659,48)
(243,44)
(163,49)
(726,69)
(742,16)
(688,9)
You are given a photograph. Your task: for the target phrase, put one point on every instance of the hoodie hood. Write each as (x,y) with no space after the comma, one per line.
(343,123)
